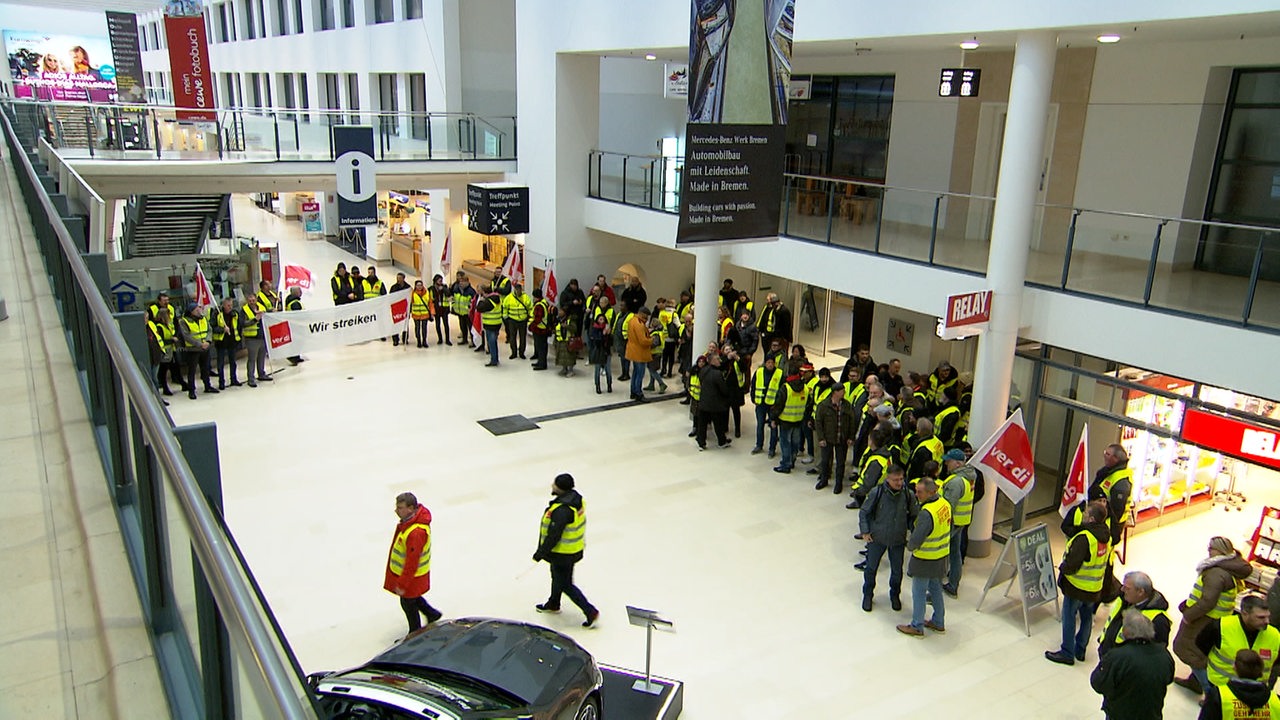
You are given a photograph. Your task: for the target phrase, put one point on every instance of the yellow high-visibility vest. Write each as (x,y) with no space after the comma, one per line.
(962,513)
(574,538)
(1222,658)
(395,562)
(938,544)
(1090,575)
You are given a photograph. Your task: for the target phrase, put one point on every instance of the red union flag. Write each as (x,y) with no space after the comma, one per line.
(279,334)
(1073,491)
(399,311)
(549,288)
(297,276)
(1007,454)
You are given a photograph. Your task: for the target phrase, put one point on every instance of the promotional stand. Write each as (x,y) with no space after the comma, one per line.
(650,620)
(631,696)
(1032,566)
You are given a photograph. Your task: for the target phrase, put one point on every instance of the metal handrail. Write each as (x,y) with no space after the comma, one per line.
(256,110)
(71,171)
(235,600)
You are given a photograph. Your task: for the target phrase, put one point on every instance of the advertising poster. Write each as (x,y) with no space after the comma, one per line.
(60,67)
(131,84)
(739,69)
(189,66)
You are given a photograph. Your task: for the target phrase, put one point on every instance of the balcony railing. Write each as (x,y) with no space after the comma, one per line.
(1145,260)
(150,132)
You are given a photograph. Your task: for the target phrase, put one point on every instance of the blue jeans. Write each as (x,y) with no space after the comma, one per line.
(875,551)
(762,419)
(637,378)
(806,440)
(790,443)
(955,558)
(927,590)
(607,371)
(1077,624)
(491,341)
(1202,675)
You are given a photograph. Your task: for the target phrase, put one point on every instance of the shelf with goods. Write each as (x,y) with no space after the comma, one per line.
(1163,478)
(1264,550)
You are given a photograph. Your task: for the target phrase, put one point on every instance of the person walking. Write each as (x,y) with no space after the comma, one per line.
(562,538)
(639,350)
(1132,679)
(1080,576)
(420,311)
(833,426)
(883,521)
(408,572)
(1213,597)
(1244,696)
(929,545)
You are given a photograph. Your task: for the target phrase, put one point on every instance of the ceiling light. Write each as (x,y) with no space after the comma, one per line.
(1109,38)
(651,56)
(970,44)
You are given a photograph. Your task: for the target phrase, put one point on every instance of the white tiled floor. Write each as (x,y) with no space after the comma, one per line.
(755,568)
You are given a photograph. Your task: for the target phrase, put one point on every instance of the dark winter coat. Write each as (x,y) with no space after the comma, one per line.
(1076,555)
(717,393)
(1132,680)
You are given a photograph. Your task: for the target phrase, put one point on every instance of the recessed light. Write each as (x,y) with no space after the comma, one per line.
(970,45)
(1108,39)
(651,56)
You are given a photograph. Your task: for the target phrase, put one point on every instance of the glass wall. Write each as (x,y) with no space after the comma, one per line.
(842,129)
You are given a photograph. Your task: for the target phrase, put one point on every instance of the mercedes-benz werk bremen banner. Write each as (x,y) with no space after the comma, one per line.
(294,333)
(739,71)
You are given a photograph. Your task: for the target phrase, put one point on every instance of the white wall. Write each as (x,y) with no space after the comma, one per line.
(633,113)
(487,31)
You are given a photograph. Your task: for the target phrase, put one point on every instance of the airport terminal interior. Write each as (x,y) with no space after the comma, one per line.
(1146,303)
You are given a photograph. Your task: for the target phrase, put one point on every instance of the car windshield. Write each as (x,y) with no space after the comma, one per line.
(458,691)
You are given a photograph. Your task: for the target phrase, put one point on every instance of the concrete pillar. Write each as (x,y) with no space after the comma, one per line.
(706,285)
(1020,158)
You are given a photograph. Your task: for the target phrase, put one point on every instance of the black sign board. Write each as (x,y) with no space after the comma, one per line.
(1026,562)
(732,182)
(356,175)
(497,208)
(959,82)
(131,84)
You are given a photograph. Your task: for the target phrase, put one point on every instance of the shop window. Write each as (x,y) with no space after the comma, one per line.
(1245,188)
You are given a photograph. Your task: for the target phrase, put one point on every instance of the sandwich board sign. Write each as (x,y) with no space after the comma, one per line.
(1027,561)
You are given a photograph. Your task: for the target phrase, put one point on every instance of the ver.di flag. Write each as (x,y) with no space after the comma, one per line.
(1007,455)
(549,288)
(445,264)
(304,331)
(204,292)
(297,276)
(1073,491)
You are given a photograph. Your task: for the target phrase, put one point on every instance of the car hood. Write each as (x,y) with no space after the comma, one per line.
(530,662)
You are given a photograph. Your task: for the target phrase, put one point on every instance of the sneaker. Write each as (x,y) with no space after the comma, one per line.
(935,627)
(866,603)
(911,630)
(723,445)
(544,608)
(1059,657)
(757,450)
(591,619)
(950,589)
(895,602)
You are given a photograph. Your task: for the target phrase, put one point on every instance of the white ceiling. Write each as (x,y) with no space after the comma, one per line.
(137,6)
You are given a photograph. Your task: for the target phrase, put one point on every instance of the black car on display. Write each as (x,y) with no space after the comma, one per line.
(469,669)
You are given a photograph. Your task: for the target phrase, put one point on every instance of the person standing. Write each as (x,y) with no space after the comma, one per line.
(489,305)
(600,350)
(562,538)
(1080,576)
(657,340)
(775,323)
(713,403)
(883,521)
(540,327)
(1251,629)
(193,344)
(160,345)
(574,301)
(1133,678)
(255,364)
(267,298)
(408,572)
(748,339)
(516,307)
(1244,696)
(340,285)
(788,417)
(957,489)
(1213,597)
(439,294)
(567,343)
(293,303)
(357,284)
(373,287)
(639,350)
(226,341)
(929,545)
(420,311)
(833,426)
(1114,481)
(765,383)
(397,286)
(460,296)
(1136,593)
(633,297)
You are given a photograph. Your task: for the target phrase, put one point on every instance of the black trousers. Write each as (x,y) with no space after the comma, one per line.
(562,583)
(839,452)
(414,608)
(517,335)
(718,419)
(190,361)
(540,349)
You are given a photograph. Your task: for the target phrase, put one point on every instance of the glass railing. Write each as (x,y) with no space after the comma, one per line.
(1147,260)
(220,651)
(150,132)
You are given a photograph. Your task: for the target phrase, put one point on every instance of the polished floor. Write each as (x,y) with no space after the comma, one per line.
(754,568)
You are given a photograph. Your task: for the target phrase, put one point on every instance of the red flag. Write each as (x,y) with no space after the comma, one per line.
(1073,491)
(518,271)
(1007,454)
(477,329)
(549,288)
(297,276)
(204,293)
(509,264)
(445,264)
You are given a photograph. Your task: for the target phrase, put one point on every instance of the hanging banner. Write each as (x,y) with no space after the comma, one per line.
(356,174)
(497,208)
(189,65)
(131,84)
(294,333)
(1007,455)
(739,70)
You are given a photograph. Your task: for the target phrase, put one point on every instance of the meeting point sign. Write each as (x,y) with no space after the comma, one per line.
(294,333)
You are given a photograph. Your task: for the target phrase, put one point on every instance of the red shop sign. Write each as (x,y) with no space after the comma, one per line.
(189,63)
(968,309)
(1234,437)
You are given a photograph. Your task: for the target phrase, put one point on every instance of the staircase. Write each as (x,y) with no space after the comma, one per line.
(171,224)
(72,126)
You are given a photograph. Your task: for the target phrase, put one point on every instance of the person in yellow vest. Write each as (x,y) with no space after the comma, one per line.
(226,340)
(409,561)
(165,315)
(1132,679)
(420,312)
(293,303)
(1222,638)
(765,383)
(516,307)
(372,288)
(927,447)
(1080,576)
(194,341)
(1219,579)
(540,322)
(267,297)
(1137,592)
(1114,481)
(402,335)
(440,301)
(160,345)
(670,321)
(1246,695)
(929,545)
(957,488)
(460,296)
(658,339)
(489,305)
(255,344)
(787,417)
(562,538)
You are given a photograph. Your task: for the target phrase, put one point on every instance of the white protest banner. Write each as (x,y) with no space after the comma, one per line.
(294,333)
(1007,455)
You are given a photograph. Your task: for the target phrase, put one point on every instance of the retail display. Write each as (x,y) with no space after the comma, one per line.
(1167,474)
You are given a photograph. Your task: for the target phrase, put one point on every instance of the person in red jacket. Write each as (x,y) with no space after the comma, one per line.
(409,561)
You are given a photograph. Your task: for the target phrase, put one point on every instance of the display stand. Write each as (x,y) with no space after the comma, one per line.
(650,620)
(1032,566)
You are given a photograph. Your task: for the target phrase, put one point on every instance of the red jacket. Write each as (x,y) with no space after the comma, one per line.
(408,585)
